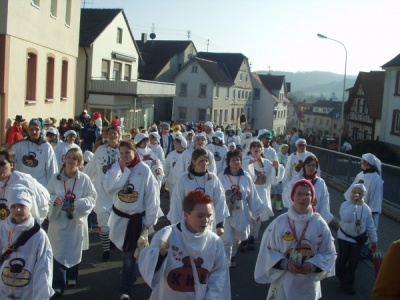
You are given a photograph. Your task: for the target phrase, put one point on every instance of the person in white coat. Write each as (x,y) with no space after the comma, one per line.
(73,197)
(264,173)
(296,161)
(171,176)
(136,205)
(34,155)
(26,271)
(62,148)
(184,160)
(355,221)
(10,178)
(297,250)
(219,150)
(186,261)
(104,157)
(242,201)
(199,178)
(321,200)
(154,144)
(265,137)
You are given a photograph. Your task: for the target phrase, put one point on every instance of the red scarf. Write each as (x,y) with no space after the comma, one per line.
(310,176)
(134,162)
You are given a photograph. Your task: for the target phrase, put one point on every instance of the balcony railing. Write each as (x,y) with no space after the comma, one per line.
(138,88)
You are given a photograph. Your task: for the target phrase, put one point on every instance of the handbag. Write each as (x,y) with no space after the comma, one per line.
(361,239)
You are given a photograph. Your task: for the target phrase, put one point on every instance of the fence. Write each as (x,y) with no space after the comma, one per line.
(344,168)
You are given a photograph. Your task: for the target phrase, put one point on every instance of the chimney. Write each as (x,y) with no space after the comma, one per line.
(144,38)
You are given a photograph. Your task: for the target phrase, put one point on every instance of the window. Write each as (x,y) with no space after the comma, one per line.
(233,114)
(241,76)
(119,35)
(182,112)
(183,90)
(105,69)
(397,88)
(217,91)
(396,122)
(234,94)
(203,90)
(320,121)
(117,71)
(64,80)
(50,78)
(53,8)
(334,126)
(202,114)
(31,76)
(239,94)
(215,117)
(237,113)
(194,69)
(249,113)
(127,73)
(256,94)
(227,93)
(246,95)
(226,116)
(68,13)
(247,77)
(36,3)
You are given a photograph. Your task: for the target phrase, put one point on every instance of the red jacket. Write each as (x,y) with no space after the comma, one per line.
(15,134)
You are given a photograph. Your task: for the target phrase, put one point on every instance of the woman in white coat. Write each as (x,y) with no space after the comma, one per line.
(72,199)
(96,169)
(219,150)
(264,173)
(321,200)
(168,265)
(242,201)
(297,250)
(136,203)
(198,178)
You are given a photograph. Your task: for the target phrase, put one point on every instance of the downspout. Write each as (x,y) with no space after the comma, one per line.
(86,79)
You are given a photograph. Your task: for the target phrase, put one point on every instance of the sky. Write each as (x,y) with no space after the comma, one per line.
(276,35)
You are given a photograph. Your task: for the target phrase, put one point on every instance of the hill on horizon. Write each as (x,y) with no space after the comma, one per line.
(315,85)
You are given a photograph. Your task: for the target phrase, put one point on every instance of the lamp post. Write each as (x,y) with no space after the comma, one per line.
(344,87)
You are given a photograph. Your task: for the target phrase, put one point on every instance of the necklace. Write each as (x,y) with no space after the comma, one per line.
(358,220)
(3,188)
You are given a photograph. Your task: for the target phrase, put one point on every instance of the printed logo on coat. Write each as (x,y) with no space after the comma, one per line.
(4,211)
(217,156)
(261,177)
(298,166)
(303,253)
(128,194)
(15,275)
(232,197)
(182,280)
(30,160)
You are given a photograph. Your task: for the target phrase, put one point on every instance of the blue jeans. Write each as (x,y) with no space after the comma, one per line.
(61,274)
(128,272)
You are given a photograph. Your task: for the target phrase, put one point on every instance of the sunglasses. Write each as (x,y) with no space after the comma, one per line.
(3,163)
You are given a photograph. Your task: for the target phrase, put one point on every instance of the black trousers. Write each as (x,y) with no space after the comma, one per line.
(347,261)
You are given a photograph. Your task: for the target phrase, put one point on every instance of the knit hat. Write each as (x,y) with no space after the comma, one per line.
(198,135)
(19,194)
(35,122)
(301,141)
(69,132)
(140,137)
(52,130)
(262,133)
(87,156)
(182,140)
(176,127)
(303,181)
(208,124)
(361,187)
(155,134)
(219,135)
(166,126)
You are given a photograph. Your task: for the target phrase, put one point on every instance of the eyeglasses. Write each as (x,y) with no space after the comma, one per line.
(3,163)
(301,145)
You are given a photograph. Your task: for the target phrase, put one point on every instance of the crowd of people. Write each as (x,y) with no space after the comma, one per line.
(222,183)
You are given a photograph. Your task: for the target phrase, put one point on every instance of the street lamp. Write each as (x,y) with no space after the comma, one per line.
(344,86)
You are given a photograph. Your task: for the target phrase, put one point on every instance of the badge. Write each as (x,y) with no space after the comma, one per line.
(358,226)
(287,236)
(128,194)
(296,256)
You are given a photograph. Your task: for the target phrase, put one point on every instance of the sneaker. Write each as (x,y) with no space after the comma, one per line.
(106,256)
(251,245)
(57,293)
(124,297)
(71,283)
(233,262)
(243,246)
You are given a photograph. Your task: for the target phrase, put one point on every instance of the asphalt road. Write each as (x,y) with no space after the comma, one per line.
(100,280)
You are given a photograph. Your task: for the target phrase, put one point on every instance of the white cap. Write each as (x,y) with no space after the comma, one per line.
(182,140)
(69,132)
(139,137)
(198,135)
(232,144)
(19,194)
(155,134)
(87,156)
(208,124)
(301,141)
(52,130)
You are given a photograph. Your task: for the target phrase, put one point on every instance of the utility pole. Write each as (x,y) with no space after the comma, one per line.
(208,43)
